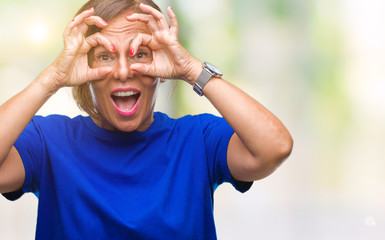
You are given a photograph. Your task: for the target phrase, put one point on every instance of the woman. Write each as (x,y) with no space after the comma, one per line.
(126,172)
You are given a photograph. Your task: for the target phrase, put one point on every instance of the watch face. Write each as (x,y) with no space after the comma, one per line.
(213,69)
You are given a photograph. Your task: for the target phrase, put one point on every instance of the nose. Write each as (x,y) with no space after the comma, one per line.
(122,69)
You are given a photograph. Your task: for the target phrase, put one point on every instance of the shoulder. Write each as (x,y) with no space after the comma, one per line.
(53,118)
(54,122)
(207,121)
(205,124)
(201,118)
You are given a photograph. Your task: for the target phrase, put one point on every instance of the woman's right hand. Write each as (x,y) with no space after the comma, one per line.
(71,67)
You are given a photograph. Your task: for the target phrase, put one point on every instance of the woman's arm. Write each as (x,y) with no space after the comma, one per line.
(15,114)
(70,68)
(260,143)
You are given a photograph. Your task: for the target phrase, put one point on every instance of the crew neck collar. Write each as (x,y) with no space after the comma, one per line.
(98,131)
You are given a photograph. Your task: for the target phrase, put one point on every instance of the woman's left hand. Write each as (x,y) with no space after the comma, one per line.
(170,59)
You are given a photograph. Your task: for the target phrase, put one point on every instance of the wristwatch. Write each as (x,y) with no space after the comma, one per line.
(207,73)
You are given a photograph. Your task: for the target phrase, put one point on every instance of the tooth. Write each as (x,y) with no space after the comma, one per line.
(124,94)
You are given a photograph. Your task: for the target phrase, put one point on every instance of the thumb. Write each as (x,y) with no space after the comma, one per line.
(99,73)
(144,69)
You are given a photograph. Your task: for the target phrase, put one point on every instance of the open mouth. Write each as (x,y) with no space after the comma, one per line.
(125,101)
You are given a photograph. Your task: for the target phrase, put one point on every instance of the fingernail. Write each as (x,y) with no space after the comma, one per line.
(113,48)
(129,15)
(143,4)
(105,21)
(90,9)
(73,19)
(132,52)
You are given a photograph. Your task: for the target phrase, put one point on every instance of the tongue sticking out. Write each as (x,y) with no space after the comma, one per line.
(126,103)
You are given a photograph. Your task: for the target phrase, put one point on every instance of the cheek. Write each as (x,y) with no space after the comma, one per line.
(153,90)
(150,82)
(98,95)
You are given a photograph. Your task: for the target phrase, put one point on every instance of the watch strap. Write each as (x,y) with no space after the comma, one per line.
(202,80)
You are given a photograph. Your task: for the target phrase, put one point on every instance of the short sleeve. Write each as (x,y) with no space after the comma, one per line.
(217,134)
(30,147)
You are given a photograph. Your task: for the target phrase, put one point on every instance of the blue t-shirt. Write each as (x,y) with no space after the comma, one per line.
(93,183)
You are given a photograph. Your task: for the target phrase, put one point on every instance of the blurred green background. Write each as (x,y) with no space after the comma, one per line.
(318,65)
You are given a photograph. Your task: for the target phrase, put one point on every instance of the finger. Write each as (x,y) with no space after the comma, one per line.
(142,68)
(140,39)
(144,18)
(139,17)
(98,73)
(153,12)
(99,39)
(93,20)
(173,21)
(96,20)
(78,19)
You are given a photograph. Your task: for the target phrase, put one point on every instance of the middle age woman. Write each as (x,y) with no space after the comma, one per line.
(126,172)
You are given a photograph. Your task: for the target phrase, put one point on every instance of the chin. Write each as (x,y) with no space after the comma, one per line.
(127,126)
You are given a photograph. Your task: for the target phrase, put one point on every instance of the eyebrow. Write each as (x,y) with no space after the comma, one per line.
(104,49)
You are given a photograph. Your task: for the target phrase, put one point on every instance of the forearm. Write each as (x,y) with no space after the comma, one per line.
(18,111)
(259,130)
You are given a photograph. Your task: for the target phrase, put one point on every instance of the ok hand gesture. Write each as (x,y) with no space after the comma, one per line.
(170,59)
(71,67)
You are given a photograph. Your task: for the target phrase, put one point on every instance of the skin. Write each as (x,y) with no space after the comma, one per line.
(260,142)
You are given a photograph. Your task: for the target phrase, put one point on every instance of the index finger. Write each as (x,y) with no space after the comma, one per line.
(77,20)
(80,18)
(144,18)
(140,39)
(92,20)
(98,39)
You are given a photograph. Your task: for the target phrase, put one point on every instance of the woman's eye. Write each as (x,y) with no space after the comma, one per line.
(141,55)
(104,57)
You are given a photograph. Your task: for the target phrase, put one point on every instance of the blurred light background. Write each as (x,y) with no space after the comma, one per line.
(318,65)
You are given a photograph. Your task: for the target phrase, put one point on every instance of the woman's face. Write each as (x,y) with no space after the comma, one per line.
(125,99)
